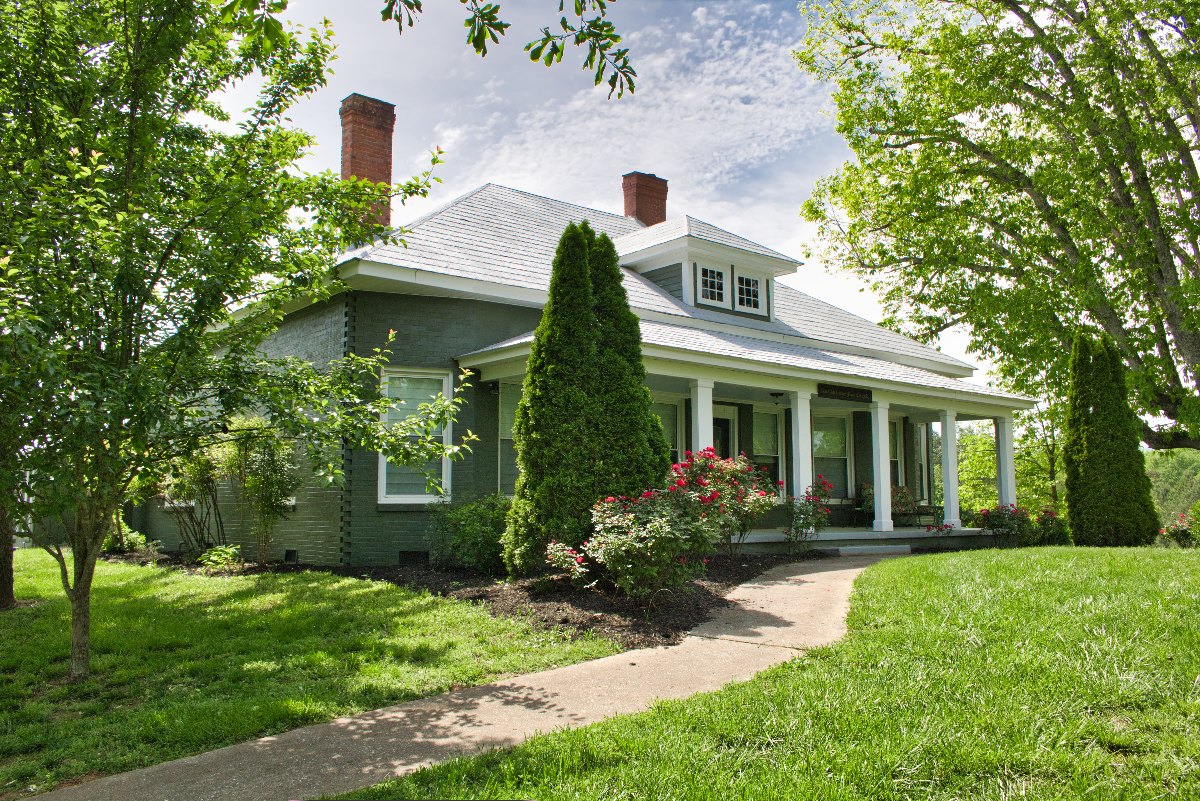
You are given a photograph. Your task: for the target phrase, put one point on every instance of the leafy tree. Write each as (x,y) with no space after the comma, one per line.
(1038,461)
(1022,165)
(8,598)
(23,411)
(1039,456)
(557,416)
(136,215)
(585,26)
(265,474)
(976,467)
(1174,482)
(632,451)
(1108,491)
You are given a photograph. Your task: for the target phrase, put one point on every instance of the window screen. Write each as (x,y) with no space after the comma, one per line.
(831,453)
(408,393)
(766,443)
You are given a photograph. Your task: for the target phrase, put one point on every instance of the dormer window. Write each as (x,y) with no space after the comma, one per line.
(712,285)
(748,294)
(726,287)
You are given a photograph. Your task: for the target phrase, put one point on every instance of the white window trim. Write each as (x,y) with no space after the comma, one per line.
(447,439)
(762,295)
(726,278)
(848,416)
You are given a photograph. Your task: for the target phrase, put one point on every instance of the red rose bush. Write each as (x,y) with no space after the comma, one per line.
(663,538)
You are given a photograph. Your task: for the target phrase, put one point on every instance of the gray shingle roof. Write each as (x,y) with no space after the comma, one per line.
(680,227)
(752,349)
(494,234)
(506,236)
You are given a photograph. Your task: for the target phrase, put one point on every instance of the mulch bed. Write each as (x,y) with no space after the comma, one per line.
(610,614)
(557,603)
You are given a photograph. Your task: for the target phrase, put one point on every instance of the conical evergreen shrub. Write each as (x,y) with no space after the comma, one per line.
(557,416)
(633,454)
(1108,492)
(1080,403)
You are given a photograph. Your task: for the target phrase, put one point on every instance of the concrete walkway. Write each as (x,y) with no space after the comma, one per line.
(785,610)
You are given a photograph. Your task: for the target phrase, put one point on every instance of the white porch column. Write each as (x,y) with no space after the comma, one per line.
(1006,467)
(951,512)
(802,463)
(882,466)
(702,414)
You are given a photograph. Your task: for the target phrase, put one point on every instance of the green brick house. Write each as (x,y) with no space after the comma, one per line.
(735,359)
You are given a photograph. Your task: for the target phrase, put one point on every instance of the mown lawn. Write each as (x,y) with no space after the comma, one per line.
(1046,673)
(184,664)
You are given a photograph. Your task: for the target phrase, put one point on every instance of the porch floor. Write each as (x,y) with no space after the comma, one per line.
(857,541)
(841,533)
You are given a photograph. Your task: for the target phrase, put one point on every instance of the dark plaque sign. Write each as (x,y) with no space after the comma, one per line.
(837,392)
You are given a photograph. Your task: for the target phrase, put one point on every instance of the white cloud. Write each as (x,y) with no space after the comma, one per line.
(721,111)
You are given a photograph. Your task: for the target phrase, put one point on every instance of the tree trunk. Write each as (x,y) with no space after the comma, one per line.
(81,616)
(8,598)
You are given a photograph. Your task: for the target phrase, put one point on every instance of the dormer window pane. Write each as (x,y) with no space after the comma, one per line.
(747,293)
(712,285)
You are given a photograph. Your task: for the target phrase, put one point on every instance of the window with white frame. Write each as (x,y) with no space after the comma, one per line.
(749,295)
(767,440)
(408,390)
(895,449)
(712,285)
(510,396)
(668,415)
(831,453)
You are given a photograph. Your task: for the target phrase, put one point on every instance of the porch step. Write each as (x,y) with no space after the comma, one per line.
(872,550)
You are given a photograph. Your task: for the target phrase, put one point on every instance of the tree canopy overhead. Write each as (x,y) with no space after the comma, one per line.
(583,25)
(135,217)
(1024,167)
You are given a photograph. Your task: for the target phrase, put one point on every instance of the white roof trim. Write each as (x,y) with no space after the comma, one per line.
(378,277)
(703,355)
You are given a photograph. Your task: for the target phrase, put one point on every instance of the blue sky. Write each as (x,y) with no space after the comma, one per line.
(721,111)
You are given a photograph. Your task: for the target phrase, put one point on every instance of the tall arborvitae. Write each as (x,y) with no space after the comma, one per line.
(1075,436)
(556,417)
(1108,491)
(633,452)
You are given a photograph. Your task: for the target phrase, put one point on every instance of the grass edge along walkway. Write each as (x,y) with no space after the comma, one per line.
(1044,673)
(787,608)
(186,663)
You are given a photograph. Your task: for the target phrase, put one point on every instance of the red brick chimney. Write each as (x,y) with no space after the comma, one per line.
(645,197)
(367,126)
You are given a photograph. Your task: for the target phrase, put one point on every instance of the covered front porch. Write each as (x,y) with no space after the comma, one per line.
(846,433)
(801,414)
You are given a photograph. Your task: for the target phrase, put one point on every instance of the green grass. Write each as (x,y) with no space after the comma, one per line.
(1045,673)
(184,664)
